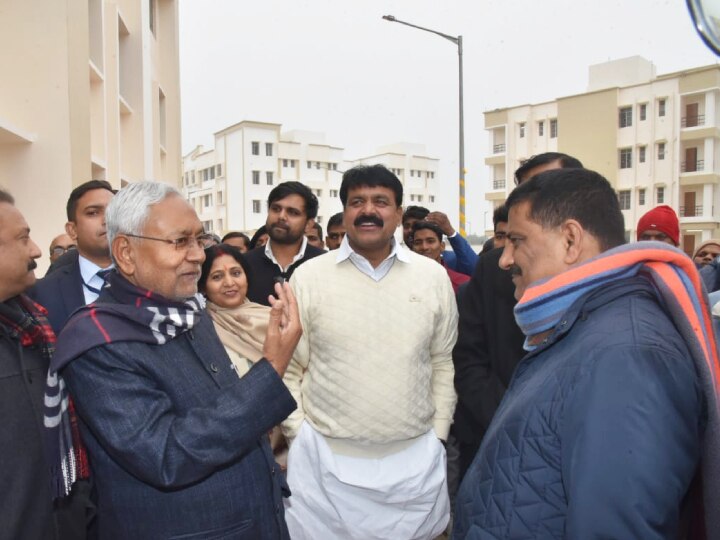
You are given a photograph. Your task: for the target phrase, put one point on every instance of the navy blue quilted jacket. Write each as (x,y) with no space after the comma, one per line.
(598,435)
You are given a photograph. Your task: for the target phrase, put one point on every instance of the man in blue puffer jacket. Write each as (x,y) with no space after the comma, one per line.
(608,416)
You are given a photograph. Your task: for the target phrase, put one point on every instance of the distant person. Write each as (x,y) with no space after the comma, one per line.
(706,253)
(291,206)
(489,344)
(81,276)
(462,257)
(427,241)
(500,226)
(60,245)
(210,240)
(314,235)
(602,429)
(372,377)
(177,441)
(660,224)
(27,510)
(259,239)
(238,239)
(335,231)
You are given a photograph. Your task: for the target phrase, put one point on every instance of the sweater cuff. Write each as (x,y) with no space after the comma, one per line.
(442,428)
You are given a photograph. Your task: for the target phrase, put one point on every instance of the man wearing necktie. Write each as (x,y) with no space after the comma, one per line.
(78,276)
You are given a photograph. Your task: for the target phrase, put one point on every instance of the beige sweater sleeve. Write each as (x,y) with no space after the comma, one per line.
(443,372)
(297,367)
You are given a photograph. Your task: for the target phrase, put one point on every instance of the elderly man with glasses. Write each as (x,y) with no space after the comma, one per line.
(177,440)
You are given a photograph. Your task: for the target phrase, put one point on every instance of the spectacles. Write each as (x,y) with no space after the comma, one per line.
(183,243)
(59,250)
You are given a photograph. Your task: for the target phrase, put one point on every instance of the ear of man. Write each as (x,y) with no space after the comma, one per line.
(71,230)
(125,254)
(580,245)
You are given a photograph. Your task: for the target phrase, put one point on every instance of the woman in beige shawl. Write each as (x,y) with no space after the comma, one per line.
(240,324)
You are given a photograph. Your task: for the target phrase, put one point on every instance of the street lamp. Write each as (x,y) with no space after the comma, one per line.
(457,41)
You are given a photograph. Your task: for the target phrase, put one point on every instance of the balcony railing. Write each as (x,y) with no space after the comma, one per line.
(691,211)
(498,184)
(692,121)
(692,166)
(498,148)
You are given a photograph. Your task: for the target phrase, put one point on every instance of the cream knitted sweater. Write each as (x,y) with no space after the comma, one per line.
(374,364)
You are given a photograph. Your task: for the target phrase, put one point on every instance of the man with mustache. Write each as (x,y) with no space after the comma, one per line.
(291,208)
(177,441)
(77,277)
(372,377)
(27,509)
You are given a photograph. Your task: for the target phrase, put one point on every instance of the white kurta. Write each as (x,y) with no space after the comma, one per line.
(401,496)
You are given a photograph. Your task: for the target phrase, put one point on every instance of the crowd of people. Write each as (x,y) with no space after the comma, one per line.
(162,382)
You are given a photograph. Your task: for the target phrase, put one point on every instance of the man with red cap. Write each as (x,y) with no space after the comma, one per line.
(660,224)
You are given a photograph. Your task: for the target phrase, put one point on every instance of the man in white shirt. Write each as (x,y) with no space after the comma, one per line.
(373,379)
(78,276)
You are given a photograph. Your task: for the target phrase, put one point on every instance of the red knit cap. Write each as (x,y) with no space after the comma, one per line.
(663,219)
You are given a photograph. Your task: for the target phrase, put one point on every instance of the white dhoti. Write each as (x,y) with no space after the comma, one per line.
(401,496)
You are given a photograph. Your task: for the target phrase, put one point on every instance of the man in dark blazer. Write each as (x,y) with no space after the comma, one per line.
(489,343)
(291,208)
(76,278)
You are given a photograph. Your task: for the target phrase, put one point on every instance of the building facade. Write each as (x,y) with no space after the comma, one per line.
(91,90)
(229,184)
(655,138)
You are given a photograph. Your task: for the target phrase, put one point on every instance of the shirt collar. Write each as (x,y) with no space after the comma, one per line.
(396,250)
(300,254)
(88,269)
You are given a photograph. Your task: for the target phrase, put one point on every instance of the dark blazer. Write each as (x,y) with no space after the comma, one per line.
(264,272)
(488,348)
(177,441)
(60,291)
(26,507)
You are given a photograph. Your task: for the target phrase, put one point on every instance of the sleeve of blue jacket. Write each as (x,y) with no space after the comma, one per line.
(465,256)
(136,423)
(630,444)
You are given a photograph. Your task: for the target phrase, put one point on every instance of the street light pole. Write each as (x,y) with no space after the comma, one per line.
(457,41)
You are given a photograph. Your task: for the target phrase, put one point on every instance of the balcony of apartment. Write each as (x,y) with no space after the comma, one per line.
(497,146)
(695,169)
(697,207)
(697,120)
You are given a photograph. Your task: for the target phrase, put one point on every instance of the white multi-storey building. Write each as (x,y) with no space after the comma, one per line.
(90,90)
(655,138)
(229,184)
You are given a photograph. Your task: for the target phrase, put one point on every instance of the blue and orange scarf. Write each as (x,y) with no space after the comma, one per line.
(678,286)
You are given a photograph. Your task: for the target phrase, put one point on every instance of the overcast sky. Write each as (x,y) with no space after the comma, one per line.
(336,67)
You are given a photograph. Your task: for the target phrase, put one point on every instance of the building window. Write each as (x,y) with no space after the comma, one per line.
(255,148)
(625,158)
(521,127)
(207,226)
(207,200)
(334,166)
(625,117)
(334,193)
(317,164)
(256,207)
(641,197)
(285,162)
(643,111)
(318,192)
(218,170)
(624,198)
(641,153)
(661,107)
(660,195)
(152,20)
(420,198)
(268,149)
(309,164)
(211,173)
(220,198)
(269,178)
(553,128)
(192,177)
(220,225)
(256,177)
(541,128)
(661,150)
(432,198)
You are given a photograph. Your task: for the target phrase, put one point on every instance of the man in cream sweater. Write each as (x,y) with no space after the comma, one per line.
(373,379)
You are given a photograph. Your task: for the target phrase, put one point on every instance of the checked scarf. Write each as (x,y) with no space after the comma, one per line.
(138,315)
(679,288)
(27,322)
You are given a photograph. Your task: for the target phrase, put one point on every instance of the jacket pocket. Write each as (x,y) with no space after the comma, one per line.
(232,532)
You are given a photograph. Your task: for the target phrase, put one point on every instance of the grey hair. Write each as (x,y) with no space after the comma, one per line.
(128,211)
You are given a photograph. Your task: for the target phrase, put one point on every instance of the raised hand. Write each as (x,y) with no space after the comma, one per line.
(284,329)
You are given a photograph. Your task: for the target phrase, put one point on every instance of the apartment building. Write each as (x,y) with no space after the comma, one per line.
(229,184)
(90,90)
(656,138)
